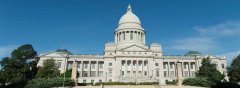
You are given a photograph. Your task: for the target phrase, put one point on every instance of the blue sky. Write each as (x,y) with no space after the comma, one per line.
(209,26)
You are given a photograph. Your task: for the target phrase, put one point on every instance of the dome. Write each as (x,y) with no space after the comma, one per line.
(129,17)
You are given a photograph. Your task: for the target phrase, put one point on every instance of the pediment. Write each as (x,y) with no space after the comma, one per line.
(134,48)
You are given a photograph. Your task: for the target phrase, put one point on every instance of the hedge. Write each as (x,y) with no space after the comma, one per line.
(126,83)
(49,82)
(225,85)
(171,82)
(197,81)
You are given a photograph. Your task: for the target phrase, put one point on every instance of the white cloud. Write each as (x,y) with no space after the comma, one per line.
(6,50)
(231,55)
(202,44)
(220,30)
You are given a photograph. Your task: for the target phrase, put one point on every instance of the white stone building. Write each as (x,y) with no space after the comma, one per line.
(129,59)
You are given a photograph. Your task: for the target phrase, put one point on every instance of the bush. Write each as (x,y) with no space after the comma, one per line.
(49,82)
(198,81)
(126,83)
(225,85)
(171,82)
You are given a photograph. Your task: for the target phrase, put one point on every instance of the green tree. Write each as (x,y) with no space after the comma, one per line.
(49,69)
(68,73)
(234,70)
(21,66)
(209,71)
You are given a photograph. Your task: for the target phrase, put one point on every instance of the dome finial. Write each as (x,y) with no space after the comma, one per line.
(129,7)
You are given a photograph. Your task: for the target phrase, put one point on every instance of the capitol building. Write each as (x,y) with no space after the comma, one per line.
(129,59)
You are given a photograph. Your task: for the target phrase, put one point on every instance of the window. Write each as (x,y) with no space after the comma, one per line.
(123,35)
(145,73)
(222,65)
(110,73)
(92,81)
(186,73)
(171,66)
(59,64)
(84,81)
(70,65)
(172,73)
(122,73)
(193,73)
(192,66)
(110,64)
(93,73)
(131,35)
(100,80)
(85,65)
(85,74)
(156,64)
(139,73)
(134,73)
(164,65)
(185,66)
(93,65)
(157,73)
(100,73)
(165,73)
(101,65)
(78,64)
(128,73)
(110,80)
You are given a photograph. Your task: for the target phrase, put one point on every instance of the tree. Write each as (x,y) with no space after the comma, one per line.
(209,71)
(49,69)
(21,66)
(234,70)
(68,73)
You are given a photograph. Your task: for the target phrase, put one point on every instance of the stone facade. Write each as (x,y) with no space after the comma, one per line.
(129,59)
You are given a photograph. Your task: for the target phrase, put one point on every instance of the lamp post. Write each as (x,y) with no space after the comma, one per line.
(64,70)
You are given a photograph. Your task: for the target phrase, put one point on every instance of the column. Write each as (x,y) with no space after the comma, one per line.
(89,68)
(189,69)
(179,74)
(74,71)
(168,69)
(97,69)
(137,68)
(125,68)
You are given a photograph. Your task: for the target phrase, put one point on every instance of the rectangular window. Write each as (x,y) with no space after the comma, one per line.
(165,73)
(70,65)
(139,73)
(110,64)
(192,66)
(128,73)
(93,73)
(122,73)
(157,73)
(222,65)
(92,81)
(78,64)
(186,73)
(100,73)
(110,80)
(134,73)
(185,66)
(84,81)
(156,64)
(100,80)
(59,64)
(101,65)
(85,65)
(193,73)
(172,73)
(93,66)
(145,73)
(164,65)
(171,66)
(110,73)
(85,74)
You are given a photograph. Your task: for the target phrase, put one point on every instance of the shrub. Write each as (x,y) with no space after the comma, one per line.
(225,85)
(171,82)
(49,82)
(126,83)
(198,81)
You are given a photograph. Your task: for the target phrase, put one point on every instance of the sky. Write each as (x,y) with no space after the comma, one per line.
(84,26)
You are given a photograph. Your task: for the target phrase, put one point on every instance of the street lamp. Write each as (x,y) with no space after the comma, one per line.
(67,57)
